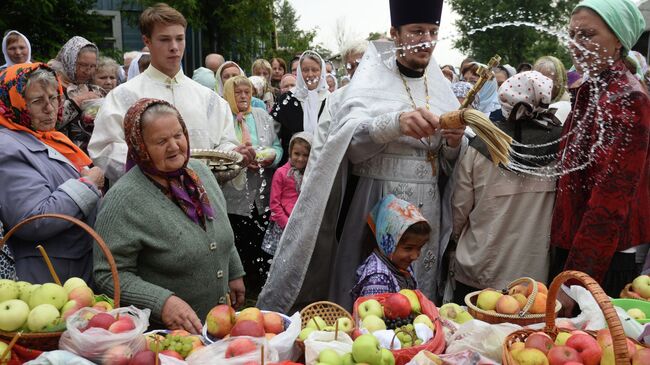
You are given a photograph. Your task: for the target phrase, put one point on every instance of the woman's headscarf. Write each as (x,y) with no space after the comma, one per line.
(185,187)
(622,16)
(205,77)
(640,63)
(69,53)
(217,76)
(525,94)
(240,115)
(336,82)
(134,66)
(488,97)
(311,99)
(8,61)
(15,116)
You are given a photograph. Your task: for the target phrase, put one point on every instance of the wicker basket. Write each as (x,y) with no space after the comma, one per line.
(328,311)
(48,341)
(613,323)
(523,318)
(627,292)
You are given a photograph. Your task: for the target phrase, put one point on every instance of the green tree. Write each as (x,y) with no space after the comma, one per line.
(48,24)
(291,41)
(515,44)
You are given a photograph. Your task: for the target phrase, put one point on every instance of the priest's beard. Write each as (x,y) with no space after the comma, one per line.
(415,59)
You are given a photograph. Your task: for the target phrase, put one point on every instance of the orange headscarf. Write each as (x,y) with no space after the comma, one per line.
(15,116)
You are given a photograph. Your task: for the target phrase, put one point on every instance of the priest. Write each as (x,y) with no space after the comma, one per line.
(385,139)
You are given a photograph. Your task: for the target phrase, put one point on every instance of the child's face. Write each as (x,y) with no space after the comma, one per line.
(299,155)
(408,250)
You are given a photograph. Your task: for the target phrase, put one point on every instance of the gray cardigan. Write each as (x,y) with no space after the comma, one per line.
(36,179)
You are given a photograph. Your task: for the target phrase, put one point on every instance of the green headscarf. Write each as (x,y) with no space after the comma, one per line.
(622,16)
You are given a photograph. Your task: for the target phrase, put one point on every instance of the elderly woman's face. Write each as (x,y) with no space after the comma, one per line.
(287,84)
(165,141)
(229,72)
(599,45)
(243,95)
(311,71)
(18,51)
(43,105)
(106,79)
(86,67)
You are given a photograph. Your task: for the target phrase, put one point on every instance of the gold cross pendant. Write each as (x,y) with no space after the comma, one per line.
(431,157)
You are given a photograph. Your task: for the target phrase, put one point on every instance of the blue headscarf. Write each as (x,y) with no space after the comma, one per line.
(488,97)
(389,219)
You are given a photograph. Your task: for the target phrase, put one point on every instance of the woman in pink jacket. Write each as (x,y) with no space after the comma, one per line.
(285,189)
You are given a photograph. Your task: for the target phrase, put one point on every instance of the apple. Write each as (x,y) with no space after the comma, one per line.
(454,312)
(240,346)
(387,357)
(396,306)
(273,323)
(220,320)
(559,355)
(101,320)
(424,319)
(144,357)
(373,323)
(347,359)
(8,290)
(561,338)
(7,357)
(541,289)
(69,308)
(641,285)
(247,328)
(641,357)
(412,296)
(518,289)
(636,313)
(487,299)
(22,285)
(154,342)
(530,356)
(588,348)
(73,283)
(507,305)
(48,293)
(305,333)
(124,324)
(330,357)
(370,306)
(316,323)
(250,314)
(366,349)
(103,306)
(118,355)
(27,291)
(345,324)
(540,341)
(521,299)
(516,347)
(43,316)
(83,295)
(172,353)
(604,340)
(13,314)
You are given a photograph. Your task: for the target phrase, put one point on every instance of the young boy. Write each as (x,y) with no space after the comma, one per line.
(400,231)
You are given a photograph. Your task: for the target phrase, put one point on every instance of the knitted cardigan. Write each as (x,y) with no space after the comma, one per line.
(160,252)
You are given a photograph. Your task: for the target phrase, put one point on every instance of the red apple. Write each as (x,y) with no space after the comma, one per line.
(588,348)
(124,324)
(118,355)
(247,328)
(641,357)
(273,323)
(83,295)
(101,320)
(145,357)
(540,341)
(560,355)
(103,306)
(604,339)
(220,320)
(250,314)
(240,346)
(171,353)
(397,306)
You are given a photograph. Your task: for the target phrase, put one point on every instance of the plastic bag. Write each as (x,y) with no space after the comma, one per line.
(321,340)
(484,338)
(89,110)
(95,343)
(460,358)
(59,357)
(215,354)
(284,341)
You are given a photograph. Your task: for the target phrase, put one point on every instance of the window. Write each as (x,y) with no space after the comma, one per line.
(110,29)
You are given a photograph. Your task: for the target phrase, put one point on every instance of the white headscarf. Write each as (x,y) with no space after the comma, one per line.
(8,61)
(134,67)
(311,99)
(217,75)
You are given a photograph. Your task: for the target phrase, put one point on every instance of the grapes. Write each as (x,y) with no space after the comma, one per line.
(181,344)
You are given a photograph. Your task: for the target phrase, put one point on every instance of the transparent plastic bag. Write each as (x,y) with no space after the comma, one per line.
(96,344)
(321,340)
(89,110)
(215,354)
(484,338)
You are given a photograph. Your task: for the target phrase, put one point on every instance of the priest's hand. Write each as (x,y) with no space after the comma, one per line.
(178,315)
(247,151)
(237,292)
(418,124)
(453,136)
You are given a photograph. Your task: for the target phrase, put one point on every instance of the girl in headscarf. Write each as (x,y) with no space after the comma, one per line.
(400,231)
(16,49)
(299,109)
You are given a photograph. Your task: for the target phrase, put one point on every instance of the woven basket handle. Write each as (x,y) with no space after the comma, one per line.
(619,339)
(90,231)
(531,297)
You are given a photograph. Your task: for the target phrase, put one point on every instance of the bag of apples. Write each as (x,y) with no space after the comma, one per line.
(399,308)
(239,350)
(106,337)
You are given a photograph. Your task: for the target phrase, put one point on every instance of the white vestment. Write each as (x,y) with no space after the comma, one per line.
(207,116)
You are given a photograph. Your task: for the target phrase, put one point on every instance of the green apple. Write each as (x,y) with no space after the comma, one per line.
(73,283)
(387,357)
(487,299)
(27,291)
(13,314)
(316,323)
(3,347)
(305,333)
(366,349)
(329,328)
(463,317)
(641,286)
(347,359)
(8,290)
(21,285)
(49,293)
(636,313)
(562,338)
(330,357)
(450,311)
(413,298)
(345,324)
(43,316)
(424,319)
(373,323)
(370,306)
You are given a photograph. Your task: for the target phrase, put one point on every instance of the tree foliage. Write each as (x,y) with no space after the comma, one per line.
(515,44)
(48,24)
(291,40)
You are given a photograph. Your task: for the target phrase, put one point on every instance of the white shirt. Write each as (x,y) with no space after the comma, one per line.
(207,116)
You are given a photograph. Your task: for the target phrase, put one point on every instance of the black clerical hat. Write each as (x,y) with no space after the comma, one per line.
(415,11)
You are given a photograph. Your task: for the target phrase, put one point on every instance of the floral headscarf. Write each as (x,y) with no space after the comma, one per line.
(389,219)
(14,114)
(185,187)
(69,53)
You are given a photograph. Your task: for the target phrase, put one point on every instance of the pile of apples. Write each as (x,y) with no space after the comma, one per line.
(223,322)
(574,348)
(317,323)
(401,311)
(455,313)
(365,350)
(514,300)
(640,288)
(43,308)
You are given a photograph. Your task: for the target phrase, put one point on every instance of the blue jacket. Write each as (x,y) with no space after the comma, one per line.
(36,179)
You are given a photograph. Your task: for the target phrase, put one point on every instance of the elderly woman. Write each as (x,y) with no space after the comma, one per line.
(247,196)
(230,69)
(601,210)
(107,74)
(15,48)
(553,68)
(165,223)
(42,171)
(299,109)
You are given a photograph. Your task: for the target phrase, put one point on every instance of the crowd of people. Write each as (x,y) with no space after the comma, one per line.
(350,186)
